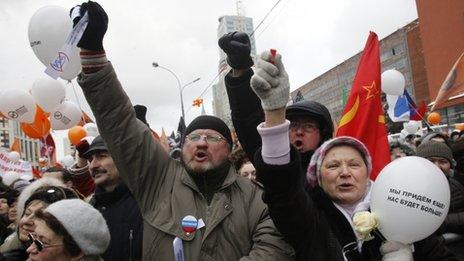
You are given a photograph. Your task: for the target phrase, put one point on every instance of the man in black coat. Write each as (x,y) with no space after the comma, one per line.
(117,205)
(310,121)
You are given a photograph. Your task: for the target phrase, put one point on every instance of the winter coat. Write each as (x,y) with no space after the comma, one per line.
(316,229)
(13,249)
(237,222)
(124,221)
(247,114)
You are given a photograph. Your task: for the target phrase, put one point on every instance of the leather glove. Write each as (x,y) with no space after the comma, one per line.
(270,82)
(92,39)
(237,47)
(396,251)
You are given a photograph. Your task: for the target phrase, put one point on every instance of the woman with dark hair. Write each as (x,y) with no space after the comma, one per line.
(68,230)
(37,196)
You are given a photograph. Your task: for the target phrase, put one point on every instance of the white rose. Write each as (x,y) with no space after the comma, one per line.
(364,222)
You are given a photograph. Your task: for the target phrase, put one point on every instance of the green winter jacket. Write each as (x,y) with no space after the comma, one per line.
(238,226)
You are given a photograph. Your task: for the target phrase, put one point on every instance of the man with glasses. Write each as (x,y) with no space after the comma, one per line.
(310,121)
(194,209)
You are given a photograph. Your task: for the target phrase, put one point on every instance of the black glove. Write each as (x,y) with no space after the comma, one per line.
(237,47)
(96,28)
(140,113)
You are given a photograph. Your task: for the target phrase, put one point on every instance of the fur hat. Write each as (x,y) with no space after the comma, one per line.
(313,174)
(83,223)
(29,190)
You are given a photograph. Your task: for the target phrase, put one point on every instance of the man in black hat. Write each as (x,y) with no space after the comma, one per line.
(194,209)
(117,205)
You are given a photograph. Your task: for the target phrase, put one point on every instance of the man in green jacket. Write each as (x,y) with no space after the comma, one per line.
(230,220)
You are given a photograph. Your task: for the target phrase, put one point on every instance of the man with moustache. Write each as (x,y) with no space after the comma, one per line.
(115,202)
(194,209)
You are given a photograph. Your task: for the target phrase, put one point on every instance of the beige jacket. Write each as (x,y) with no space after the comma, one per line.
(238,226)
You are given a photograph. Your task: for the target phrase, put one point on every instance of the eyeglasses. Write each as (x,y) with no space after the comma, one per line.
(210,138)
(306,126)
(39,244)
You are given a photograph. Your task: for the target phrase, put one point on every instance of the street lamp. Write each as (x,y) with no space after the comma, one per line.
(181,88)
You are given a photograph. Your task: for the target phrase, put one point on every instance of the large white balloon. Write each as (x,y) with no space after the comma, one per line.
(91,129)
(411,196)
(48,93)
(393,82)
(48,29)
(65,116)
(18,105)
(14,156)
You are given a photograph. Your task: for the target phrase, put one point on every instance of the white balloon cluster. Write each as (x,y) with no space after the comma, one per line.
(48,29)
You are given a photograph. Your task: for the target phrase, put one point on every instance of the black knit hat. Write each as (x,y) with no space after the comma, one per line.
(435,149)
(211,123)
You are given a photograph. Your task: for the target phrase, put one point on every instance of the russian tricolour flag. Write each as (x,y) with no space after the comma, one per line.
(403,108)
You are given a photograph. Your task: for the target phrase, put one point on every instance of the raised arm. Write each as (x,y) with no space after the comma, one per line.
(141,161)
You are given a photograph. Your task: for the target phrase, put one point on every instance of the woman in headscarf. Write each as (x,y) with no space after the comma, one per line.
(315,213)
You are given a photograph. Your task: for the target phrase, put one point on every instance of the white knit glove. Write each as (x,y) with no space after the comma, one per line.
(270,82)
(396,251)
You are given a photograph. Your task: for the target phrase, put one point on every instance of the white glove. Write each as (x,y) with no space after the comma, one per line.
(396,251)
(270,82)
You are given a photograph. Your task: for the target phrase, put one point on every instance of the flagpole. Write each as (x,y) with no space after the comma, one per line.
(429,128)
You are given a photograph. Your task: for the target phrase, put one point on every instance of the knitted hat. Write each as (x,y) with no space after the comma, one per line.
(435,149)
(83,223)
(98,144)
(210,123)
(313,174)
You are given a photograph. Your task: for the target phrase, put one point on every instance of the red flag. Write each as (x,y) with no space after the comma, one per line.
(453,86)
(363,115)
(47,149)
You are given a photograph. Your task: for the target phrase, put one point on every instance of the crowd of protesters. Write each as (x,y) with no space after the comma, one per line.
(285,190)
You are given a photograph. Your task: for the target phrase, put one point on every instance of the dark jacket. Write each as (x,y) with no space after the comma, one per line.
(124,220)
(311,223)
(247,114)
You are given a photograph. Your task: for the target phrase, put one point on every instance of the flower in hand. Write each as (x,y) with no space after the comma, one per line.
(365,222)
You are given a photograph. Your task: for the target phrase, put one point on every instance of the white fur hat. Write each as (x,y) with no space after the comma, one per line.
(29,190)
(84,223)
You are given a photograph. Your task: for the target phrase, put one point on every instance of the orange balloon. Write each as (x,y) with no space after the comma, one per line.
(460,126)
(434,118)
(76,133)
(40,127)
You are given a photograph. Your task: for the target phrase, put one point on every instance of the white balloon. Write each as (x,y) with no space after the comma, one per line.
(411,196)
(9,177)
(48,93)
(89,139)
(48,29)
(393,82)
(17,105)
(411,127)
(67,161)
(14,156)
(92,129)
(65,116)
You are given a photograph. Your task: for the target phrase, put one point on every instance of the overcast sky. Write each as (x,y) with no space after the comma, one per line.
(312,36)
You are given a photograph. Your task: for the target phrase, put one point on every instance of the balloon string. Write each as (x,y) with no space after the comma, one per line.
(77,100)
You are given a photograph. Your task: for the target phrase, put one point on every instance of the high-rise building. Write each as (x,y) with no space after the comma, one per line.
(227,24)
(30,148)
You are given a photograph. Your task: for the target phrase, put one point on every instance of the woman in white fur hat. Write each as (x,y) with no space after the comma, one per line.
(68,230)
